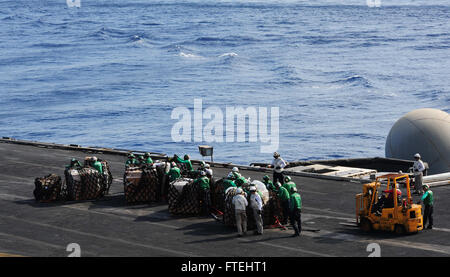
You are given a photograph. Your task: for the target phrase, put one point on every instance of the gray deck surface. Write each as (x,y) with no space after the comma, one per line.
(110,227)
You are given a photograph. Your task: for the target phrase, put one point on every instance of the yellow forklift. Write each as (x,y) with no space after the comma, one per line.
(387,210)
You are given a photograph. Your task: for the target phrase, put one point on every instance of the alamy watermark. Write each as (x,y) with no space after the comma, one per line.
(190,126)
(73,3)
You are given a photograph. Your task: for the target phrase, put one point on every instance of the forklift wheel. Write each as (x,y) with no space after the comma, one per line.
(366,225)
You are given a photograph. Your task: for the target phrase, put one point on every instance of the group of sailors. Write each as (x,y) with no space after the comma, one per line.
(282,186)
(132,161)
(91,162)
(286,192)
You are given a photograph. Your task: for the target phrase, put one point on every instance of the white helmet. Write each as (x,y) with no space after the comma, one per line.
(239,191)
(202,173)
(207,166)
(417,155)
(252,188)
(235,169)
(94,159)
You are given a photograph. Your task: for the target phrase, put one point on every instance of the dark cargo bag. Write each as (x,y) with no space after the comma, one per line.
(49,188)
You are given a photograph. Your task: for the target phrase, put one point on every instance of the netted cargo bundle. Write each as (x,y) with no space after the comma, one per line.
(184,197)
(270,207)
(49,188)
(141,185)
(86,183)
(218,195)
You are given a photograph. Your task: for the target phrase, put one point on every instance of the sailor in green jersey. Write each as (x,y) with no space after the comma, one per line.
(240,181)
(74,164)
(97,165)
(186,161)
(288,184)
(174,172)
(427,200)
(295,206)
(284,196)
(140,160)
(203,182)
(227,183)
(131,160)
(147,159)
(235,173)
(269,184)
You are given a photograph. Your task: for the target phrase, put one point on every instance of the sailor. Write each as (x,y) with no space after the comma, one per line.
(288,184)
(390,197)
(269,184)
(283,195)
(235,173)
(202,165)
(131,161)
(203,183)
(295,206)
(96,164)
(418,169)
(240,204)
(208,171)
(74,164)
(427,199)
(174,172)
(186,162)
(278,164)
(256,205)
(241,182)
(147,159)
(228,182)
(140,160)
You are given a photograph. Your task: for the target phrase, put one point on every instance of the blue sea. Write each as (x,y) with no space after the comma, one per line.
(110,73)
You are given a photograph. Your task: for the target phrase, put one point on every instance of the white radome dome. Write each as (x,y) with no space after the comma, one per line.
(424,131)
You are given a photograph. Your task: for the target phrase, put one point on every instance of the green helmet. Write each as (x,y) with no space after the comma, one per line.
(131,155)
(147,154)
(186,157)
(266,178)
(425,186)
(287,179)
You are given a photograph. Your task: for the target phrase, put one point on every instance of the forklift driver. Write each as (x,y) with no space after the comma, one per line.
(380,203)
(386,200)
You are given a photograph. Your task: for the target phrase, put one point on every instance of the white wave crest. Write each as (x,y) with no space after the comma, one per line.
(231,54)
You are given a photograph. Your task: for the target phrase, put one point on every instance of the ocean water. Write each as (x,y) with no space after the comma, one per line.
(110,73)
